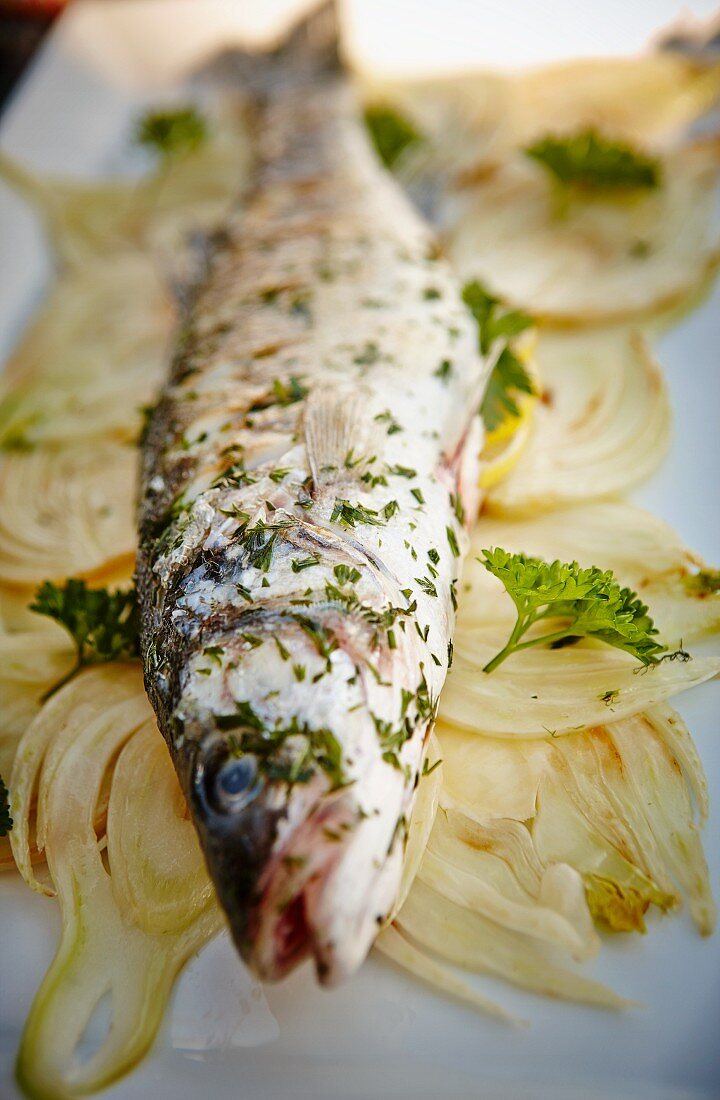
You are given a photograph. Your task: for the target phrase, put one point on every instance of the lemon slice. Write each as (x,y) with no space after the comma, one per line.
(505,444)
(501,455)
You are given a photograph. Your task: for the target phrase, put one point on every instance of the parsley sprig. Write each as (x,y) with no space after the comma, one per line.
(509,377)
(590,601)
(588,161)
(104,625)
(6,821)
(173,132)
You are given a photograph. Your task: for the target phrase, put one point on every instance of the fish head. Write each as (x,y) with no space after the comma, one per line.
(236,816)
(299,823)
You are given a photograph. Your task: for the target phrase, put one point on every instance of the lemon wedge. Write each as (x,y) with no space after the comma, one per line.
(505,444)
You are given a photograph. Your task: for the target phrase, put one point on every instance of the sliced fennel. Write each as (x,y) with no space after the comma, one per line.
(155,214)
(603,423)
(128,926)
(66,512)
(471,940)
(615,803)
(551,692)
(590,260)
(462,864)
(91,359)
(469,122)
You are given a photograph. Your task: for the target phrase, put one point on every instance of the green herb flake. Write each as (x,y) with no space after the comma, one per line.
(346,574)
(215,653)
(350,515)
(387,417)
(444,371)
(427,586)
(298,564)
(457,507)
(279,474)
(609,697)
(452,542)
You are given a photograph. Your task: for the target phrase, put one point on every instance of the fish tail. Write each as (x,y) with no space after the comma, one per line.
(308,51)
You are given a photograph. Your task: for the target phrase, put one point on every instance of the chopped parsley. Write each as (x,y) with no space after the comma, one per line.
(427,586)
(350,515)
(452,542)
(457,506)
(387,417)
(298,564)
(609,697)
(346,574)
(587,161)
(282,393)
(590,601)
(368,356)
(444,371)
(289,753)
(259,542)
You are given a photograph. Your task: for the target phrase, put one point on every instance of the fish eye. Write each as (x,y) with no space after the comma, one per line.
(236,783)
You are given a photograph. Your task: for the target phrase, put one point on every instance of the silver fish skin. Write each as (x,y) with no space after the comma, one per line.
(301,525)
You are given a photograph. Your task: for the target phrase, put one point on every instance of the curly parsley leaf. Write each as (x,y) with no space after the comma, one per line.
(590,601)
(103,625)
(173,132)
(509,376)
(390,132)
(588,161)
(6,821)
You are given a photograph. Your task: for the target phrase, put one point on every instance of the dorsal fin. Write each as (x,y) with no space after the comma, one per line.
(341,441)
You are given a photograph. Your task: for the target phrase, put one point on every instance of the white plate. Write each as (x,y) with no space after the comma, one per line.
(382,1035)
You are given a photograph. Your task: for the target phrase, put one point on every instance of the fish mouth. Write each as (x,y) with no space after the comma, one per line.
(237,824)
(279,859)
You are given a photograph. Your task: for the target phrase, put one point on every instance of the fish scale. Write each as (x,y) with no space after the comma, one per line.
(301,523)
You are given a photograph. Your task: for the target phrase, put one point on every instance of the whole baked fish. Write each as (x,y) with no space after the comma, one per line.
(302,524)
